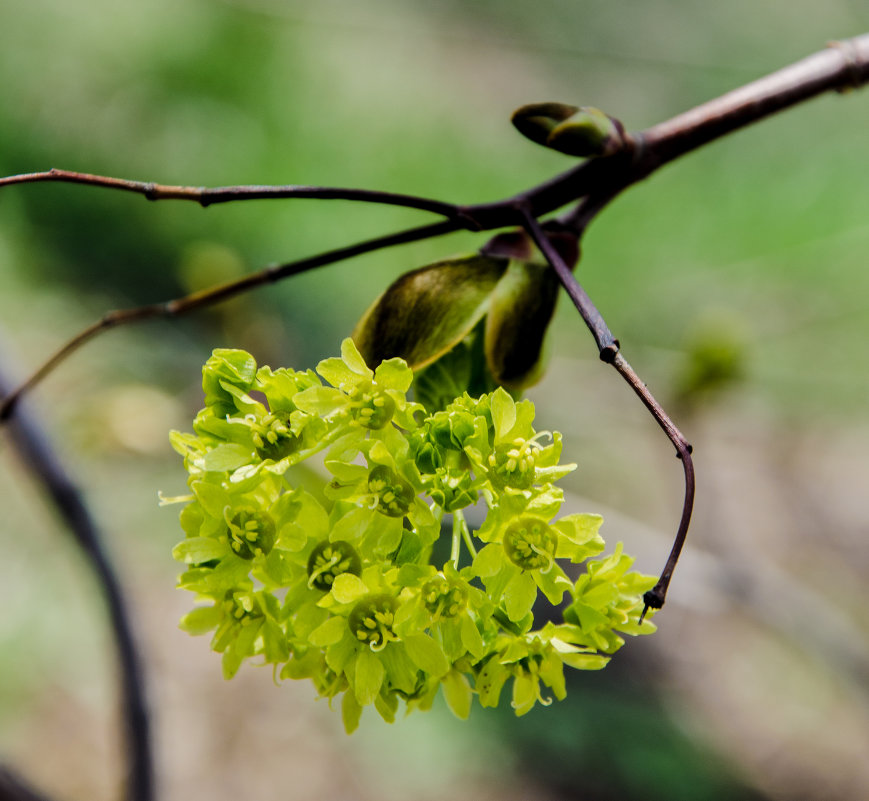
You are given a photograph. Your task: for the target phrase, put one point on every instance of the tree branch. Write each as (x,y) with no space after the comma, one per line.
(210,297)
(36,452)
(608,346)
(840,66)
(206,196)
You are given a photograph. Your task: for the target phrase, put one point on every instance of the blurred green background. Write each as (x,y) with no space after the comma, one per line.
(736,280)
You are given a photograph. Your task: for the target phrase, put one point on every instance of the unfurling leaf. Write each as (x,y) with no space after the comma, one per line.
(428,311)
(520,310)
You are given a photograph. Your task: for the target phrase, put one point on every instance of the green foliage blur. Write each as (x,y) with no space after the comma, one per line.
(748,693)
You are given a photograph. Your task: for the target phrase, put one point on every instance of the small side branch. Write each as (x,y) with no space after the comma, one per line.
(207,196)
(609,352)
(654,598)
(606,343)
(213,296)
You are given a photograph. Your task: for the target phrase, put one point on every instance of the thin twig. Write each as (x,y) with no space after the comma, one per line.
(609,352)
(210,297)
(208,196)
(654,598)
(607,344)
(841,66)
(36,452)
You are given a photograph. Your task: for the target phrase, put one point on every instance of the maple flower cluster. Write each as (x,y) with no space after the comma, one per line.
(360,570)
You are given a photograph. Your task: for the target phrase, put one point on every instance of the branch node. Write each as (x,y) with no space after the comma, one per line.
(609,352)
(653,599)
(149,190)
(853,62)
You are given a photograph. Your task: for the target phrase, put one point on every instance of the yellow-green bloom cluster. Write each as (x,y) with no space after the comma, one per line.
(362,572)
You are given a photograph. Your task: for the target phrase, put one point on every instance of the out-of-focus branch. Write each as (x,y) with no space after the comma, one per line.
(36,453)
(14,788)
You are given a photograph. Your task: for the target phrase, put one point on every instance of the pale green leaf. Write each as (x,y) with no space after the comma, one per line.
(351,712)
(199,549)
(458,694)
(227,457)
(347,588)
(328,633)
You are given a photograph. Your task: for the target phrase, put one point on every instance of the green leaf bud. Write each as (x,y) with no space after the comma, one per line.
(574,130)
(536,121)
(588,132)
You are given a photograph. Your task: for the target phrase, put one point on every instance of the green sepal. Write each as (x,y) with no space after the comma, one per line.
(519,595)
(328,633)
(201,620)
(351,712)
(471,637)
(242,646)
(368,676)
(227,457)
(526,693)
(400,669)
(196,550)
(387,705)
(579,538)
(490,681)
(426,654)
(458,694)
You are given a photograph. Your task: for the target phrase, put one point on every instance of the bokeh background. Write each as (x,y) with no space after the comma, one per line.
(736,280)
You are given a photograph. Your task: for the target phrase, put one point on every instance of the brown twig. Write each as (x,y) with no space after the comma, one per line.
(208,196)
(212,296)
(608,346)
